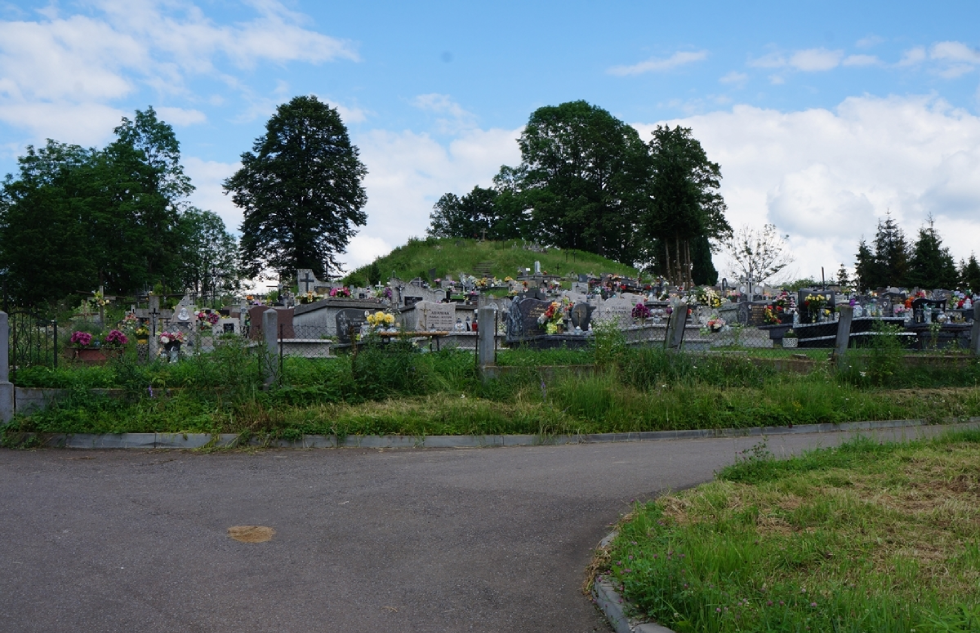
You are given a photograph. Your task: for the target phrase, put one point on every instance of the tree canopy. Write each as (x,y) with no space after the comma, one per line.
(684,203)
(891,261)
(74,218)
(476,214)
(300,191)
(757,255)
(587,181)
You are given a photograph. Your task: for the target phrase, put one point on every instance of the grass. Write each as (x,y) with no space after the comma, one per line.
(395,389)
(418,256)
(863,537)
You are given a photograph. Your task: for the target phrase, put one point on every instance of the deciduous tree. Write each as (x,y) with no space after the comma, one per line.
(300,190)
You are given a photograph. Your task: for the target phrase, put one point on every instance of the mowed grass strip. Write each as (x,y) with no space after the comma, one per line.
(864,537)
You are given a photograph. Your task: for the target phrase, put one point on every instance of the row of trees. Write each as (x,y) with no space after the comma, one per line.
(587,181)
(75,218)
(890,260)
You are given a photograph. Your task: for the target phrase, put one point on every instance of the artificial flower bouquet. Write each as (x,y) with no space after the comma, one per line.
(114,340)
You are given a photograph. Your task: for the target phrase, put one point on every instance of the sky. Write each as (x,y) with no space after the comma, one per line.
(824,116)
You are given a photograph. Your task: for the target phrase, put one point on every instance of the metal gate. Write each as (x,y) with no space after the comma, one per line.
(33,341)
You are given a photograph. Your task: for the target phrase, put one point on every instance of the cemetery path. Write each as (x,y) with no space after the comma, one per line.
(401,540)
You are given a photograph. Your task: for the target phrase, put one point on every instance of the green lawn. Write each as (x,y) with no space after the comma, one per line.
(864,537)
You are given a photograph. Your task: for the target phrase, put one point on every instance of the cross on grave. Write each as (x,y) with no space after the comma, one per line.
(306,281)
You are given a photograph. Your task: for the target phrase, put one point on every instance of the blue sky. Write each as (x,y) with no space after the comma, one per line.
(824,116)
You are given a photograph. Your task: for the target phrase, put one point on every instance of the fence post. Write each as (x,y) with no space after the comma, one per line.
(54,324)
(485,337)
(975,331)
(270,331)
(6,388)
(843,332)
(675,328)
(153,344)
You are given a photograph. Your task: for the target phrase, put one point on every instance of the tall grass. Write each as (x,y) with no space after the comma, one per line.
(864,537)
(630,389)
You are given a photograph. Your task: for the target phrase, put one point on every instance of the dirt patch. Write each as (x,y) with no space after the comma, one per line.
(251,533)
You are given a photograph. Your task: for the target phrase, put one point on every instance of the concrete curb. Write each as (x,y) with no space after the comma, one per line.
(229,440)
(611,603)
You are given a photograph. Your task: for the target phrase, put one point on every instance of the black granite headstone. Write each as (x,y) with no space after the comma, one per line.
(347,320)
(583,278)
(581,315)
(410,301)
(522,320)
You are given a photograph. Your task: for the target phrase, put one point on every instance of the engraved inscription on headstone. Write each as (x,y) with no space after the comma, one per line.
(522,320)
(435,317)
(349,319)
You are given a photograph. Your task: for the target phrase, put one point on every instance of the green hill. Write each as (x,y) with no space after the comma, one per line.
(449,256)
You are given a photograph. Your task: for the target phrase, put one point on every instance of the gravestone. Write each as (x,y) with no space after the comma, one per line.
(306,280)
(349,319)
(583,279)
(435,317)
(615,309)
(581,316)
(535,293)
(432,274)
(410,301)
(522,319)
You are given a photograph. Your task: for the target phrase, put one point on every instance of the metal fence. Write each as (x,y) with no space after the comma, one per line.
(33,341)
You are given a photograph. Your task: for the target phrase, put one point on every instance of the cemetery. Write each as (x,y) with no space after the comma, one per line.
(495,355)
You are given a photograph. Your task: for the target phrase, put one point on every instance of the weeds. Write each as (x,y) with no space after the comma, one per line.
(864,537)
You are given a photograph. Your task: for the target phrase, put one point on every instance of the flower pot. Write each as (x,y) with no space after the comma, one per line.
(90,355)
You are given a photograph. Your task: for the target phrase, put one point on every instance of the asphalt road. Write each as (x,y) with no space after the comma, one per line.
(399,540)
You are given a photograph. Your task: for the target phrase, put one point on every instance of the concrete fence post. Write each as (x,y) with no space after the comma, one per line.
(6,388)
(675,328)
(270,351)
(486,317)
(843,332)
(975,331)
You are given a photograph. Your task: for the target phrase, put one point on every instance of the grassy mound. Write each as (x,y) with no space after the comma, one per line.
(451,256)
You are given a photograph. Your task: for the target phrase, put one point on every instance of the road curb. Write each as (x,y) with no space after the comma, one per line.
(615,609)
(231,440)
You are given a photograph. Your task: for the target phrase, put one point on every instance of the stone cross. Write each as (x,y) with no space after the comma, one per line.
(154,315)
(307,281)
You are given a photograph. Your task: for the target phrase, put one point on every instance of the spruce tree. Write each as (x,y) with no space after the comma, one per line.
(930,264)
(970,275)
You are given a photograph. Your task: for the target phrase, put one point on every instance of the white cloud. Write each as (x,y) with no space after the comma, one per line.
(955,52)
(180,117)
(660,65)
(861,60)
(869,41)
(207,177)
(825,176)
(408,172)
(815,59)
(735,78)
(913,56)
(79,64)
(456,117)
(807,60)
